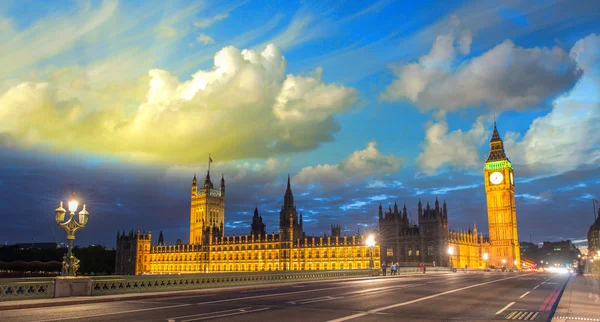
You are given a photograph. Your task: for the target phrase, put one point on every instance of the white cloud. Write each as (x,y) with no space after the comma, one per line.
(203,23)
(563,140)
(244,107)
(49,37)
(506,77)
(459,149)
(567,137)
(205,39)
(303,28)
(239,173)
(360,164)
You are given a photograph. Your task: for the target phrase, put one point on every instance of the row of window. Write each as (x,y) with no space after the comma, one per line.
(160,268)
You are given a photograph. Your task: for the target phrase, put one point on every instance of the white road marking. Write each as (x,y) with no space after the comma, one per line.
(354,316)
(212,315)
(522,296)
(203,314)
(506,307)
(536,287)
(387,288)
(115,313)
(315,300)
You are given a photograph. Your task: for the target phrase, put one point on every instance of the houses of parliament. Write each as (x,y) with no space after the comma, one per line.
(209,250)
(430,241)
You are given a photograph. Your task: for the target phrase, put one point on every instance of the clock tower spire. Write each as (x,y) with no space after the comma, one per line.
(502,214)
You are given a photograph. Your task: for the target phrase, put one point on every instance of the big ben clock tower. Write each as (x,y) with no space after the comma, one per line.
(502,213)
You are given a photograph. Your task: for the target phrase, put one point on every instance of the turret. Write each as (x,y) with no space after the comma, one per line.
(222,185)
(380,212)
(395,209)
(194,185)
(437,205)
(420,209)
(207,183)
(445,210)
(161,240)
(288,199)
(404,213)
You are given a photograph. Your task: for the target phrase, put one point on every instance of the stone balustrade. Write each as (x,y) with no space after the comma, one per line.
(34,288)
(26,289)
(157,283)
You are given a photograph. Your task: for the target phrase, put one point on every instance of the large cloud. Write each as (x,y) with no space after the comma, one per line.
(565,139)
(458,149)
(244,107)
(359,165)
(505,77)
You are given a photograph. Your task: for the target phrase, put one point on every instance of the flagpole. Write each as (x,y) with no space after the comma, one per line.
(209,162)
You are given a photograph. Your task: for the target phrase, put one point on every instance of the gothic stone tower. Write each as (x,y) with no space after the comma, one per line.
(207,211)
(290,225)
(502,213)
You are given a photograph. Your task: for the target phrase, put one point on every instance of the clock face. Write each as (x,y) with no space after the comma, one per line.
(511,179)
(496,177)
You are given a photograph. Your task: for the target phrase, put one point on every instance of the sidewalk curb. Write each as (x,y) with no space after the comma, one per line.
(556,307)
(66,301)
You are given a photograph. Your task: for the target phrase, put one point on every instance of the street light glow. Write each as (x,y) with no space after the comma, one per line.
(450,250)
(73,204)
(485,256)
(370,241)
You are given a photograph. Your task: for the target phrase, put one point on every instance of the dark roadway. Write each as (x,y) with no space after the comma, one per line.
(460,296)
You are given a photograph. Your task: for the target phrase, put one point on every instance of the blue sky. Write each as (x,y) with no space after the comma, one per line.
(121,102)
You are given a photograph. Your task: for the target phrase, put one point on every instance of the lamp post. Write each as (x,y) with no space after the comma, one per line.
(450,253)
(485,258)
(70,263)
(371,243)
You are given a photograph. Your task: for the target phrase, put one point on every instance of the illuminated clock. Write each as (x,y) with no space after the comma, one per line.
(496,178)
(511,179)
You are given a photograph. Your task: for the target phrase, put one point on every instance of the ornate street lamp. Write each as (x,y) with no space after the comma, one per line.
(371,243)
(70,264)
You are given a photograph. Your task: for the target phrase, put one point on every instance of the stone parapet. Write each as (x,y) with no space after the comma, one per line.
(26,289)
(157,283)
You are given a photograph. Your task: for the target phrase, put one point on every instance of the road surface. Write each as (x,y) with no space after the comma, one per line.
(473,296)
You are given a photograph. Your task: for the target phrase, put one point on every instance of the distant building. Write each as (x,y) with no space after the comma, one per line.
(593,237)
(530,251)
(431,240)
(210,250)
(559,253)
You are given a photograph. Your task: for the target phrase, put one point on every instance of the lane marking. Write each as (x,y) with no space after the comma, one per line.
(213,316)
(387,288)
(315,300)
(115,313)
(506,307)
(284,293)
(202,314)
(536,287)
(522,296)
(354,316)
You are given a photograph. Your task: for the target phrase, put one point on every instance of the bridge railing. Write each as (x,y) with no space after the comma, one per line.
(158,283)
(26,288)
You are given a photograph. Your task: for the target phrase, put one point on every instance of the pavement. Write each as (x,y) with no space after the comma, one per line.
(471,296)
(580,300)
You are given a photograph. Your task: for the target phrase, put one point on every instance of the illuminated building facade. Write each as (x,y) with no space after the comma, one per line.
(210,251)
(430,240)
